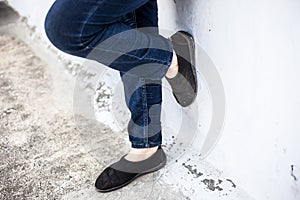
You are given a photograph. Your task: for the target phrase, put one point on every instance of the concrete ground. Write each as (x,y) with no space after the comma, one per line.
(43,155)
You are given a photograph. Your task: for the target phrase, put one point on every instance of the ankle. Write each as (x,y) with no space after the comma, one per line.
(144,150)
(173,69)
(139,154)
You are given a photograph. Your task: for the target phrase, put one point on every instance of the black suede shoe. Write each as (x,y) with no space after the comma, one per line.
(184,84)
(123,172)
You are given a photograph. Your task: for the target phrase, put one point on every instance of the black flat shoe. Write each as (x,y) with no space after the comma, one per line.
(123,172)
(184,84)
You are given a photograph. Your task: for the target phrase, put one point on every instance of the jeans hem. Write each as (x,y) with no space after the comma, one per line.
(145,145)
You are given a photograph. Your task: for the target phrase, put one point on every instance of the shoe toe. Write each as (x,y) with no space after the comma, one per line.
(185,100)
(103,181)
(111,179)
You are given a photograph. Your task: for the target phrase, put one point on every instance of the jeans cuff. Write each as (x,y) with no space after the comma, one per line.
(145,145)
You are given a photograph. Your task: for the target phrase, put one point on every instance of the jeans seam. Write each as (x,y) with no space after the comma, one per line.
(145,110)
(134,18)
(85,22)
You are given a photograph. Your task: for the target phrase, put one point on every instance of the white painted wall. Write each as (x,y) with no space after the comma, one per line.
(255,46)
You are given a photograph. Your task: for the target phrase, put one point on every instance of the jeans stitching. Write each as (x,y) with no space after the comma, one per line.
(145,110)
(87,19)
(134,18)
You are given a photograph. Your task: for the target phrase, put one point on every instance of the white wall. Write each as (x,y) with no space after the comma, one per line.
(255,46)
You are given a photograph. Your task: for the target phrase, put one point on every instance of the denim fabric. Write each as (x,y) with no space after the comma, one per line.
(106,31)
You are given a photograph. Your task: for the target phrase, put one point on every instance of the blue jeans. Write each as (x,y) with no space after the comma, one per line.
(109,31)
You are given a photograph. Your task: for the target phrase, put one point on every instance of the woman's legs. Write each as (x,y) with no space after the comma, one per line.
(81,27)
(146,92)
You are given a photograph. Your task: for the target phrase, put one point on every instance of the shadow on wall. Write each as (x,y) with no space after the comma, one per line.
(188,12)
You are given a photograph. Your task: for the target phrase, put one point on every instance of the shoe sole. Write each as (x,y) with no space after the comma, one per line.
(191,46)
